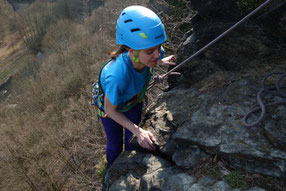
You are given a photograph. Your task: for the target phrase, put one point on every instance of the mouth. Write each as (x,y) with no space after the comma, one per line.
(153,63)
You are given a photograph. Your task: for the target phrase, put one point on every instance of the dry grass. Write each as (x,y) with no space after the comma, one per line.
(5,11)
(11,51)
(49,138)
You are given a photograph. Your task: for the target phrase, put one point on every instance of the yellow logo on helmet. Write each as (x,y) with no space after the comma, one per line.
(143,35)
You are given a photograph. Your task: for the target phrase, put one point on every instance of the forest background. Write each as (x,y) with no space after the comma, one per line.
(50,54)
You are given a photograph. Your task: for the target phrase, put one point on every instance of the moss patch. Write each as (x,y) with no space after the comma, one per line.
(236,180)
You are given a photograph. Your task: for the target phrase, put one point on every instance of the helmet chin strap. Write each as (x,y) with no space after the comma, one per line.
(135,58)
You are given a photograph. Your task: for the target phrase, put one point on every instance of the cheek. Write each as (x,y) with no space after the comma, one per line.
(145,58)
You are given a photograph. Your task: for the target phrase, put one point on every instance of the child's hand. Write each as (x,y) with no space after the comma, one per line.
(169,60)
(146,139)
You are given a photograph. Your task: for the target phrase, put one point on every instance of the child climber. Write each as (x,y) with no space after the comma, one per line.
(124,79)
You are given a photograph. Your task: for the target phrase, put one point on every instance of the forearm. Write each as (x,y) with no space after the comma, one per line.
(121,119)
(145,138)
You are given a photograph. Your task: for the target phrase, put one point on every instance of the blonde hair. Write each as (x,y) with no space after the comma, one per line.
(113,54)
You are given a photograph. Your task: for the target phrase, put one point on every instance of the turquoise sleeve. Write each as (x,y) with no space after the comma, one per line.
(113,90)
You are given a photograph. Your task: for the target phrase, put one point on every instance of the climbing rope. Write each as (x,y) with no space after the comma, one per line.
(159,79)
(275,91)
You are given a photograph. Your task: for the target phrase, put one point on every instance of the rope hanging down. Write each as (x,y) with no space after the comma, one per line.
(275,91)
(158,79)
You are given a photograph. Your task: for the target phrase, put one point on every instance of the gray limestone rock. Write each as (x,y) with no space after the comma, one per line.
(188,156)
(126,183)
(180,181)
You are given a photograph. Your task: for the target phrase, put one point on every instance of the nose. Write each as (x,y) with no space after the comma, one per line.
(157,53)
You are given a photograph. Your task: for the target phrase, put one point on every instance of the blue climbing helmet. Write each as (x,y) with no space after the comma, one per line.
(139,28)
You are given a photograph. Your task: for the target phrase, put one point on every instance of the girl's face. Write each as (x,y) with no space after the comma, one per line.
(149,57)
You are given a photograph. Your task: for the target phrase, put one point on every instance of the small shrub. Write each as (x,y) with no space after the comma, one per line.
(59,35)
(3,26)
(235,180)
(102,19)
(33,23)
(100,168)
(248,5)
(72,9)
(176,3)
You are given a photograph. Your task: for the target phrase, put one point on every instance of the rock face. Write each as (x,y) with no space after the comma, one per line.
(217,128)
(201,116)
(250,46)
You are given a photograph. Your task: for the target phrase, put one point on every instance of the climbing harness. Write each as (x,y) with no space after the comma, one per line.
(98,95)
(161,78)
(275,91)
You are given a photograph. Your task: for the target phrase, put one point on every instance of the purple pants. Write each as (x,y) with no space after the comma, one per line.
(114,133)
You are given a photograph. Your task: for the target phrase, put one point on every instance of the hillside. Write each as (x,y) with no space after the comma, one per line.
(11,47)
(49,137)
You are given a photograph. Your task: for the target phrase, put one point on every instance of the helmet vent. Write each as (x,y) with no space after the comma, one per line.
(129,20)
(123,14)
(134,30)
(161,35)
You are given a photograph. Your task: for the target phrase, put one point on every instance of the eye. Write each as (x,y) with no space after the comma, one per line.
(150,51)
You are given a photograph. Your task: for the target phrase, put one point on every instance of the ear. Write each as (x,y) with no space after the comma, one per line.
(130,50)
